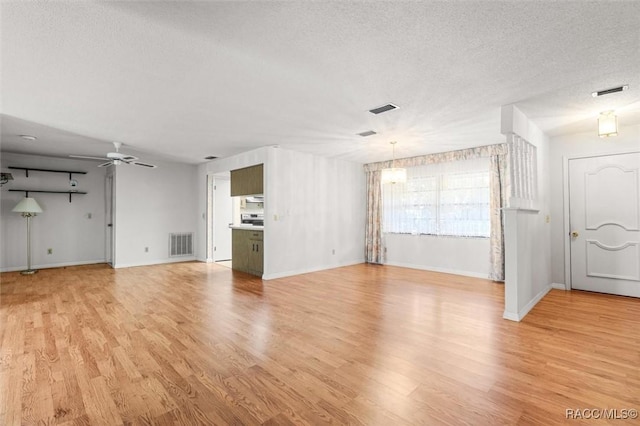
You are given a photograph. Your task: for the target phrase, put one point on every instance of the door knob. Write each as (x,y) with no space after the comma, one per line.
(574,234)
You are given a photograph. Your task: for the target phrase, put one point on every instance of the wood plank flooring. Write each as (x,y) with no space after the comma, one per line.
(196,343)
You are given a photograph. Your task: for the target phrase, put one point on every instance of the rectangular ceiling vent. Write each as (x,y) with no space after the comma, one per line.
(181,244)
(367,133)
(383,108)
(608,91)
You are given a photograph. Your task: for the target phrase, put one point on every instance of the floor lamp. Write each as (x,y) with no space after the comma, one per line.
(28,207)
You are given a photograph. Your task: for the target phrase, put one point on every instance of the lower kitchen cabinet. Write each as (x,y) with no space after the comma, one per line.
(247,251)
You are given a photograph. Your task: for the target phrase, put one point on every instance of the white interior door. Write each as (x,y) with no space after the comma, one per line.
(222,217)
(604,208)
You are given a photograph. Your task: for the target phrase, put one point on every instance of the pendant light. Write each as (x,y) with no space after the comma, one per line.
(393,175)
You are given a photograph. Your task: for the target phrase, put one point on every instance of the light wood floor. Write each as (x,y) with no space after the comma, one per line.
(194,343)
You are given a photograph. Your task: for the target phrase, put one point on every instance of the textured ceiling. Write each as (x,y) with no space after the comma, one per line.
(191,79)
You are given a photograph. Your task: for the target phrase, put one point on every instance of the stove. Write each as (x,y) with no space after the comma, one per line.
(255,219)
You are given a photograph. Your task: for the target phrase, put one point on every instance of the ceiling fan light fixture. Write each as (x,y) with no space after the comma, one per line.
(607,124)
(393,174)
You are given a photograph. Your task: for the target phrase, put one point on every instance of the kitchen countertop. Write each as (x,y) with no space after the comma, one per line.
(247,227)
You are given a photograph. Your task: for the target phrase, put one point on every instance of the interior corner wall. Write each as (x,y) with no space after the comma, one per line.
(149,205)
(74,231)
(578,145)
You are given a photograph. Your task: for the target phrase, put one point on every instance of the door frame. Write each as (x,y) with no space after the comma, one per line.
(566,215)
(110,204)
(210,215)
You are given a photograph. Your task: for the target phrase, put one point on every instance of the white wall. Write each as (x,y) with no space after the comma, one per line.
(527,233)
(149,205)
(577,145)
(462,256)
(313,206)
(64,227)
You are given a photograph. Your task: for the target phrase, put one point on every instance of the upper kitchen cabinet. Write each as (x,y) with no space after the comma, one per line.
(247,181)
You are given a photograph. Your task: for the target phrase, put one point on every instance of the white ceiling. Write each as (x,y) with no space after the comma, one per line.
(191,79)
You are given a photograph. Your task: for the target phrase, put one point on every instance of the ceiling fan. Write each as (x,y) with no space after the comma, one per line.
(116,158)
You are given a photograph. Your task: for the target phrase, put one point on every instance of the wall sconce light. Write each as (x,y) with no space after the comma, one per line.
(5,177)
(607,124)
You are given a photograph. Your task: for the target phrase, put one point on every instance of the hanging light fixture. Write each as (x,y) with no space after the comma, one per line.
(607,124)
(393,175)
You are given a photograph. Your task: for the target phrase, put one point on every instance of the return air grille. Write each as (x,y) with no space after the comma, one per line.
(383,108)
(181,244)
(608,91)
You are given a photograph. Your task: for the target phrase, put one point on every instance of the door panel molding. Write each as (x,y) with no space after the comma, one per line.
(597,268)
(628,216)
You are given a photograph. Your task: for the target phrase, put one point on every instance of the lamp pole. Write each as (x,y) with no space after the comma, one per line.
(29,271)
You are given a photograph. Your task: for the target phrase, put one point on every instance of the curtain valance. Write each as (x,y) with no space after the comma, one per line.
(442,157)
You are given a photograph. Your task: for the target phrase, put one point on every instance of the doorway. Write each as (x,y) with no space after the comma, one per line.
(604,217)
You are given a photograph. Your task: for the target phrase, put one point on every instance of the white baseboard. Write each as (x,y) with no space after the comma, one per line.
(559,286)
(155,262)
(511,316)
(308,270)
(443,270)
(52,265)
(524,311)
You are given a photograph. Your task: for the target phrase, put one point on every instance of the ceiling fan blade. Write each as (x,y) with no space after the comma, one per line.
(129,158)
(107,164)
(88,157)
(136,163)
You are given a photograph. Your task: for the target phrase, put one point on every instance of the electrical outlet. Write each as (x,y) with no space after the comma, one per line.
(89,215)
(49,251)
(333,251)
(146,249)
(548,219)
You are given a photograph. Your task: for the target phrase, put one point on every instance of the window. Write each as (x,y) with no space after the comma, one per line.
(440,199)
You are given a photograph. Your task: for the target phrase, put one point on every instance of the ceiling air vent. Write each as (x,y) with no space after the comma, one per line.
(383,108)
(608,91)
(367,133)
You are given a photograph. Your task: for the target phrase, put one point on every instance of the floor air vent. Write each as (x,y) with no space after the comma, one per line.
(181,244)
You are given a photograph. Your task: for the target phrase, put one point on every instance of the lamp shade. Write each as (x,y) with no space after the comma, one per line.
(393,175)
(27,205)
(607,124)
